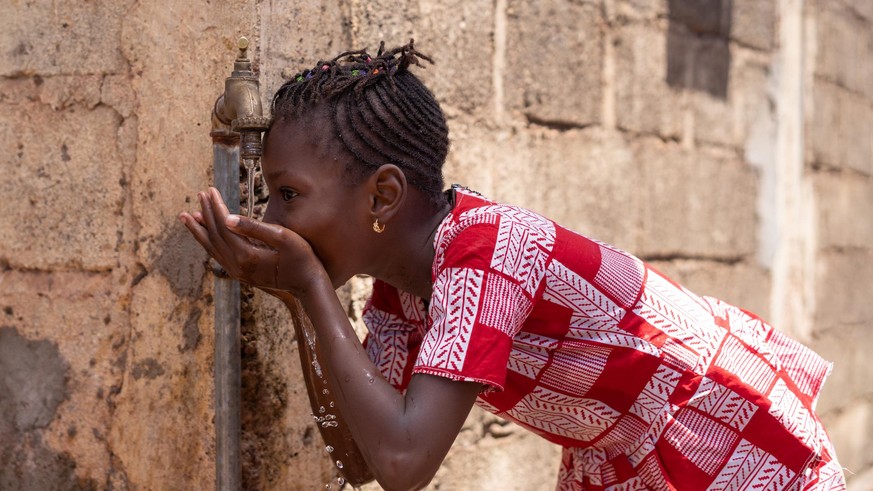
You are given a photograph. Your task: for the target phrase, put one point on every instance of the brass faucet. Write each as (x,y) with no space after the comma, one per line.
(238,116)
(239,108)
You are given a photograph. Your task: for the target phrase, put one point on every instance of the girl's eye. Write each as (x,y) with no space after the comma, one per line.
(287,194)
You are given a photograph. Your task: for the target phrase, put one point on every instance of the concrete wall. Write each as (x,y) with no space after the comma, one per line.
(728,142)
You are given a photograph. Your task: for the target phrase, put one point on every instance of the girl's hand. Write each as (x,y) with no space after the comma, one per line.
(264,255)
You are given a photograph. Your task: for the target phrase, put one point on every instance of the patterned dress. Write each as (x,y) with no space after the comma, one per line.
(644,384)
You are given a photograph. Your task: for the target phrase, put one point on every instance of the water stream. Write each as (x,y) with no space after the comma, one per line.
(250,165)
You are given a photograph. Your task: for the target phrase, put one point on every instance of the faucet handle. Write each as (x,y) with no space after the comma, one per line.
(243,45)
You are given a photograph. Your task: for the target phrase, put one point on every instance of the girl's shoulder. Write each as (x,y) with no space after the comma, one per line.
(471,207)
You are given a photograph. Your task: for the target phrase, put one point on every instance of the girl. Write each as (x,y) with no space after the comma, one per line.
(644,384)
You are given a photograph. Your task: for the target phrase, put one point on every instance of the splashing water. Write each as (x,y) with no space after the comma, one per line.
(309,334)
(316,366)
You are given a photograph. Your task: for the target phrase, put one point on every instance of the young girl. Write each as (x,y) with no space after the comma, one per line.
(644,384)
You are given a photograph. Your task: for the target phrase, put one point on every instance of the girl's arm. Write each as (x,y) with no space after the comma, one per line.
(404,438)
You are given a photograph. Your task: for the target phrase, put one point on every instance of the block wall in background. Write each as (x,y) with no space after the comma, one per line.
(725,141)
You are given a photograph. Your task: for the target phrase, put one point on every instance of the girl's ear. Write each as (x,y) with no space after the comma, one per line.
(388,188)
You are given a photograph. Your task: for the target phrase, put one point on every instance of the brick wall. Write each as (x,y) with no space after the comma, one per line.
(726,141)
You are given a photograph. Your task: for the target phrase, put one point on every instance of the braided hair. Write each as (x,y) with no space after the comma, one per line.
(379,111)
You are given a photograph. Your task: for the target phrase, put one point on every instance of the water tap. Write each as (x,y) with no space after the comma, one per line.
(238,115)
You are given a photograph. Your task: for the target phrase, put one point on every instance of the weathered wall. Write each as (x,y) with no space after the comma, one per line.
(726,141)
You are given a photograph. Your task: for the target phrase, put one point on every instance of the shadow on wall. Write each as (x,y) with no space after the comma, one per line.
(698,51)
(33,383)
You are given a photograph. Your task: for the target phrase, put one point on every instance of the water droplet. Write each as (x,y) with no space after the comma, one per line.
(371,380)
(325,392)
(321,410)
(329,424)
(328,448)
(331,403)
(340,481)
(339,463)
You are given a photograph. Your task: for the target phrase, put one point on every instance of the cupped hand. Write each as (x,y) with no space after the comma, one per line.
(264,255)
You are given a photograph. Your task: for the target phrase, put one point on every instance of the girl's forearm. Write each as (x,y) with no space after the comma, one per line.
(375,410)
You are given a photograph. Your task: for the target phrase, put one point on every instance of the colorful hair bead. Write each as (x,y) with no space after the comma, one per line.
(356,72)
(375,71)
(325,67)
(299,78)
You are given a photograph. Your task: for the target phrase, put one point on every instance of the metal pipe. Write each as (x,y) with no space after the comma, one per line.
(227,338)
(237,116)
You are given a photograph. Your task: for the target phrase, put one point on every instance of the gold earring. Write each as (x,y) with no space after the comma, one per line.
(378,228)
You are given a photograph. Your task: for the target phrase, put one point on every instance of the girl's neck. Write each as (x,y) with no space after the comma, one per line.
(409,263)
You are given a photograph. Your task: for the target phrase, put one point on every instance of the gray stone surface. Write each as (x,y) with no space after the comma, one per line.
(862,7)
(82,38)
(68,336)
(732,120)
(755,23)
(842,221)
(849,382)
(65,200)
(850,429)
(105,122)
(844,279)
(554,58)
(708,17)
(33,382)
(634,10)
(644,102)
(839,129)
(710,216)
(842,36)
(295,35)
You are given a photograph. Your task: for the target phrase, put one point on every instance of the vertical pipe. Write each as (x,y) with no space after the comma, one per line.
(227,336)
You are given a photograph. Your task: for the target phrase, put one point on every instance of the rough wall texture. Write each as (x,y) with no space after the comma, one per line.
(728,142)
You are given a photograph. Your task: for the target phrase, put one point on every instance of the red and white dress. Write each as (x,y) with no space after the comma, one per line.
(645,384)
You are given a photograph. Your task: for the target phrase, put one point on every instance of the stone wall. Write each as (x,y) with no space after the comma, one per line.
(725,141)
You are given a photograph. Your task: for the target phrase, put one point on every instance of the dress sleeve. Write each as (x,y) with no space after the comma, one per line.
(486,276)
(395,322)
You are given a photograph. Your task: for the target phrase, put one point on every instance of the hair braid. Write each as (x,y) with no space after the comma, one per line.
(380,112)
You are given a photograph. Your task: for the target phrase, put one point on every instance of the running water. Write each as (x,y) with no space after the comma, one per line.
(249,164)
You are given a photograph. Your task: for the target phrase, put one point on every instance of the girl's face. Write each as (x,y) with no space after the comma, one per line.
(310,196)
